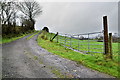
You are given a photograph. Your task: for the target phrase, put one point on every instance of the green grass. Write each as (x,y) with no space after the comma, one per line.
(83,46)
(95,62)
(32,35)
(8,39)
(57,73)
(35,57)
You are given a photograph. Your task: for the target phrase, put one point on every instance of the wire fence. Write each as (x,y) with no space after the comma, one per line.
(87,43)
(93,43)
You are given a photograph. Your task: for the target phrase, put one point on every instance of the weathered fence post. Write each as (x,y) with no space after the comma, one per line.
(105,26)
(78,43)
(70,41)
(57,38)
(54,36)
(88,44)
(110,45)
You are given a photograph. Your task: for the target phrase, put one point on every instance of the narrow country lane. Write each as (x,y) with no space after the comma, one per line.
(25,59)
(17,64)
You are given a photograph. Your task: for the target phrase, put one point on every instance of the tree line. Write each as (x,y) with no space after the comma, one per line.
(18,17)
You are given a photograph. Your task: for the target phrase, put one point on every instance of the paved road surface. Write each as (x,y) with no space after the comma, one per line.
(25,59)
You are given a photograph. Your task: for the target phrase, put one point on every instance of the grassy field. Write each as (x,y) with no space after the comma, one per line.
(8,39)
(95,48)
(95,62)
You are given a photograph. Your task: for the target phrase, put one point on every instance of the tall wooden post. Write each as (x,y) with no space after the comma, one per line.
(54,37)
(78,43)
(110,45)
(65,41)
(57,38)
(105,26)
(70,41)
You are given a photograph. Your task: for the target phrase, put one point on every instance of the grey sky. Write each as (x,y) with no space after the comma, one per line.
(77,17)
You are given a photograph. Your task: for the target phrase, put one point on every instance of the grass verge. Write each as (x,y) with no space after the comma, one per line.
(97,63)
(57,73)
(35,58)
(7,39)
(32,35)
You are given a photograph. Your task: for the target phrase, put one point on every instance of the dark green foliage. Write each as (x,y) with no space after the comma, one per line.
(46,29)
(9,17)
(12,31)
(28,24)
(44,35)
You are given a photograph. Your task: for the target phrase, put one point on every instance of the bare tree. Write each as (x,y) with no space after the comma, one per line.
(31,10)
(22,19)
(7,11)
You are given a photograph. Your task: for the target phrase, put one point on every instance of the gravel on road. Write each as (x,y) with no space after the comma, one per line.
(25,59)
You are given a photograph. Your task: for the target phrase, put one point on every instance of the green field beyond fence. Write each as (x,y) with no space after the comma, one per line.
(93,60)
(91,47)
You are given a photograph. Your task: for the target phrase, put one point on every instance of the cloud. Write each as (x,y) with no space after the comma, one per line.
(77,17)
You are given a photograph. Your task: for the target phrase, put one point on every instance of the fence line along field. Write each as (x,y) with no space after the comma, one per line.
(93,60)
(95,50)
(95,43)
(91,46)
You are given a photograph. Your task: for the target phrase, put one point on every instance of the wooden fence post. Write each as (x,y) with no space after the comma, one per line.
(88,44)
(110,45)
(106,48)
(57,37)
(70,41)
(78,43)
(54,37)
(65,41)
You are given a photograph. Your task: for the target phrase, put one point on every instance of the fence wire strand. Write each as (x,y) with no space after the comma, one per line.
(88,42)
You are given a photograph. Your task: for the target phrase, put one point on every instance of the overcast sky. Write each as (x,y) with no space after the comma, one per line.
(77,17)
